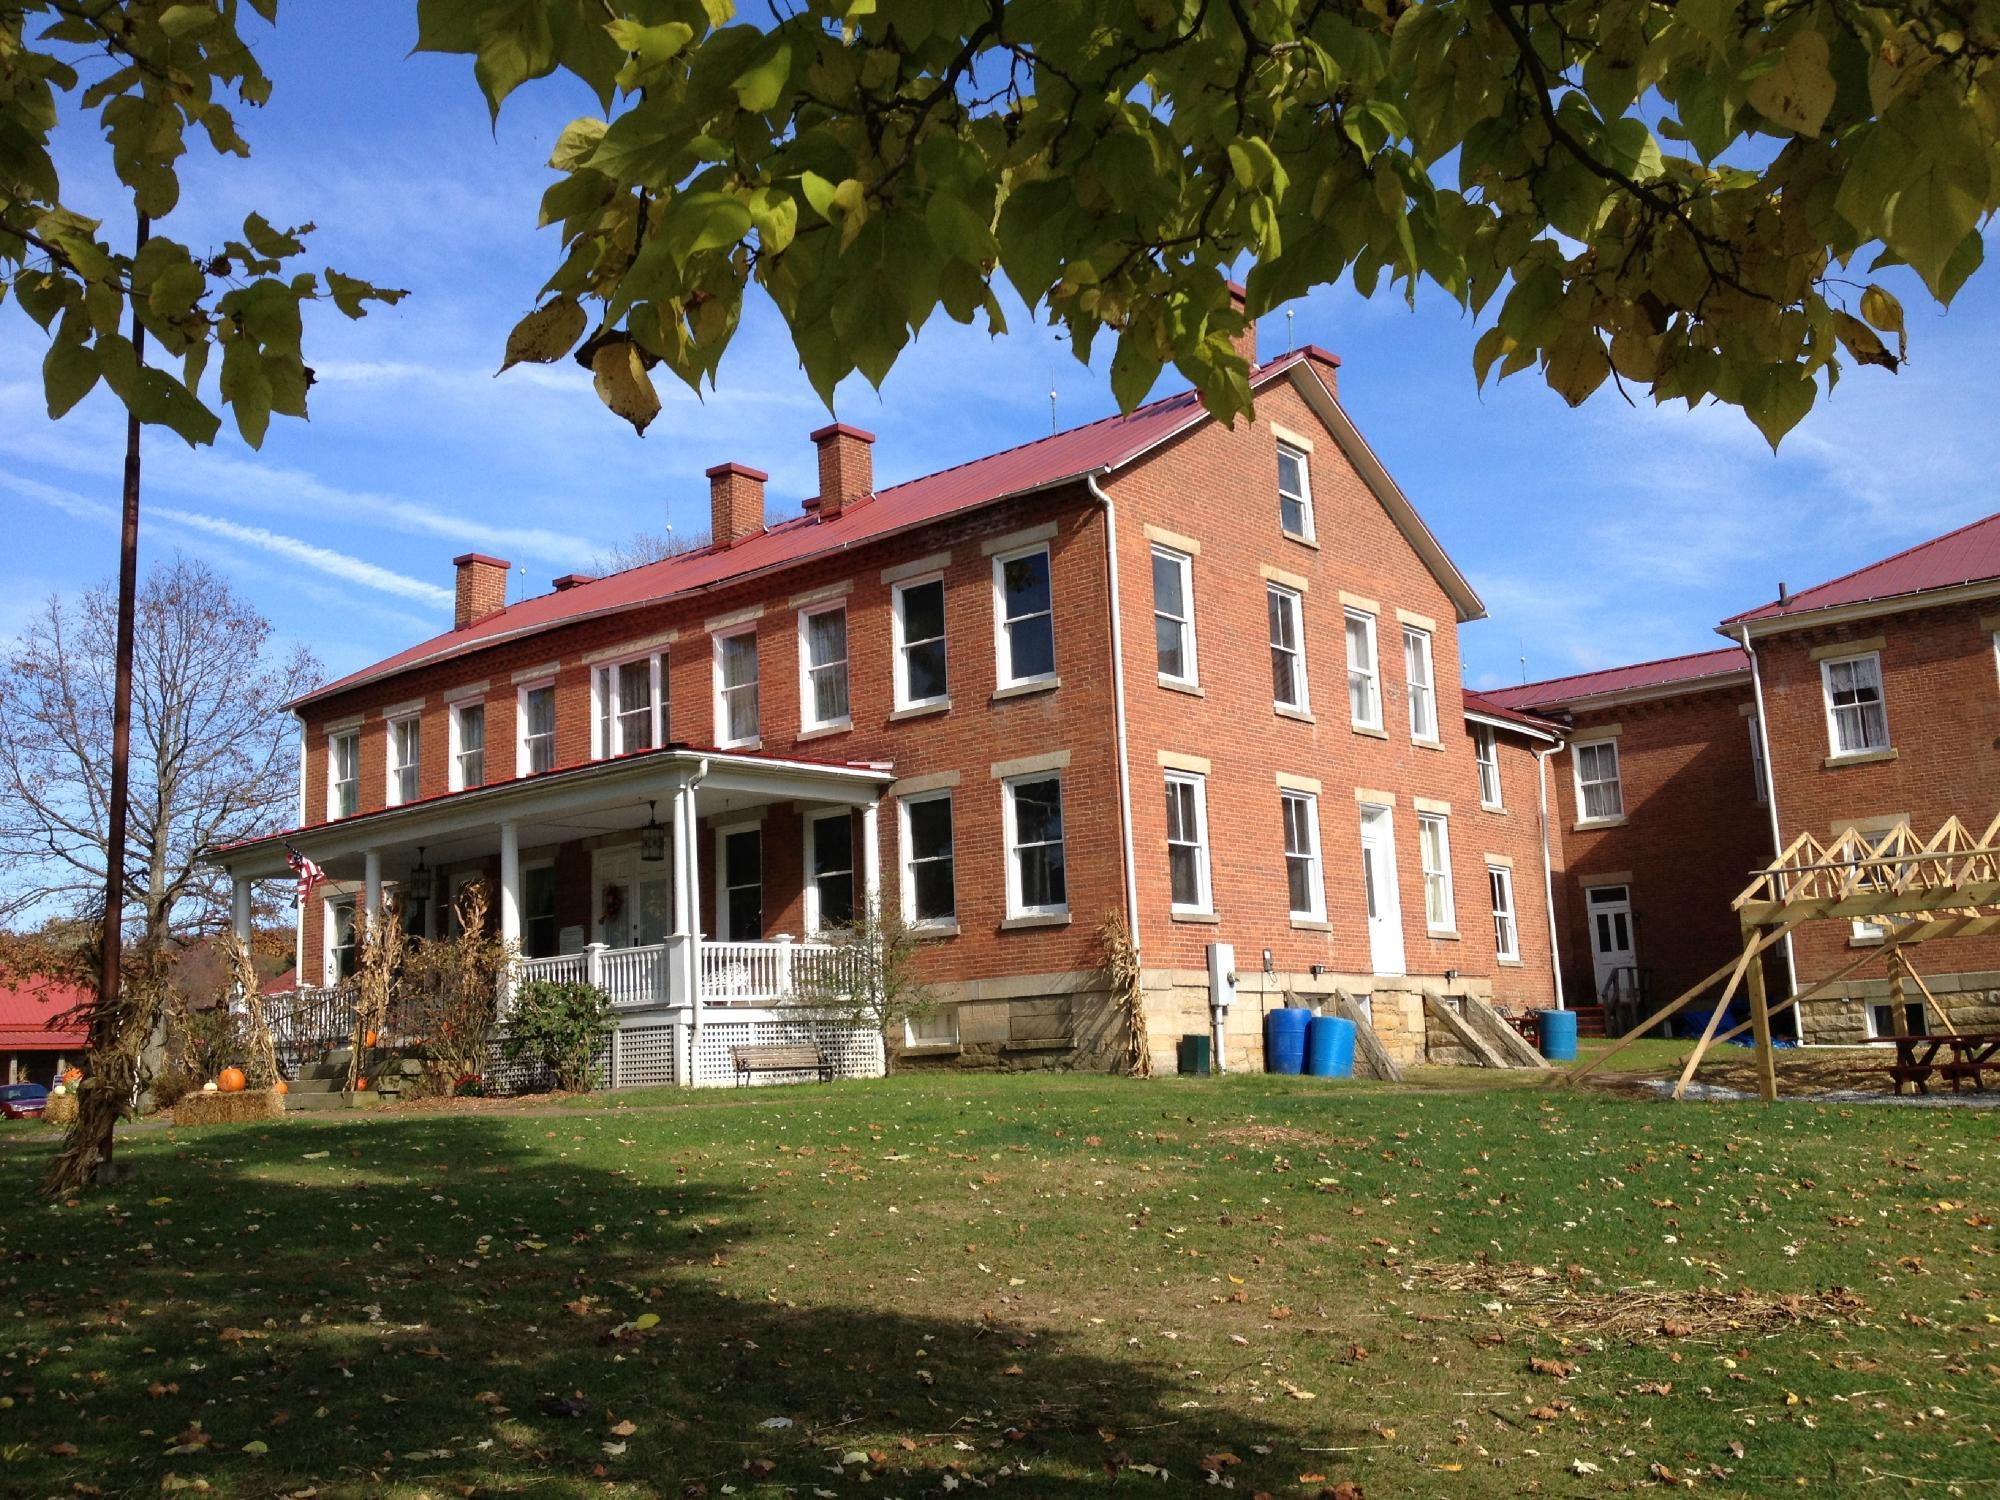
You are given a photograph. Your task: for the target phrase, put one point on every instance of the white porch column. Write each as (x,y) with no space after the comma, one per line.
(371,884)
(871,857)
(239,909)
(687,916)
(510,883)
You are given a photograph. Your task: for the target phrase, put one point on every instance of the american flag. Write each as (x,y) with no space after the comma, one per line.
(309,873)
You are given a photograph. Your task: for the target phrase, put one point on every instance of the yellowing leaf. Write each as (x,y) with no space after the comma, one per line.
(1799,90)
(546,334)
(623,384)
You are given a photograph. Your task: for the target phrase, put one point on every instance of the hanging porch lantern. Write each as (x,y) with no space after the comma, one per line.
(652,838)
(417,884)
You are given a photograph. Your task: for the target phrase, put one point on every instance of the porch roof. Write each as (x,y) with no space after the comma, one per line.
(616,788)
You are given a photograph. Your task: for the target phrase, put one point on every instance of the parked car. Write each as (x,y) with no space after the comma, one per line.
(23,1101)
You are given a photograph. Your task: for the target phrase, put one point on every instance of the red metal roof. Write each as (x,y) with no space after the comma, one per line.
(1970,554)
(1671,671)
(1483,703)
(27,1008)
(1042,464)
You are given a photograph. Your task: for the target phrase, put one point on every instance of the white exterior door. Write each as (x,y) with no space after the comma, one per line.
(1611,945)
(1378,882)
(634,899)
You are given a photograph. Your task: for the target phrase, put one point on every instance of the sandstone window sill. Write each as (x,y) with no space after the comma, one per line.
(934,929)
(1861,758)
(1026,689)
(1175,685)
(825,731)
(1373,731)
(1442,935)
(1035,919)
(1302,715)
(1587,825)
(1303,541)
(920,710)
(1311,924)
(1426,744)
(1195,916)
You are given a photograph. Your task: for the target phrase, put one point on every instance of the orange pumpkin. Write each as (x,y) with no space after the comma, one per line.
(231,1080)
(368,1040)
(73,1077)
(360,1084)
(281,1087)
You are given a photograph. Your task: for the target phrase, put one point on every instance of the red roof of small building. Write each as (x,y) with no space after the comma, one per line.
(1970,554)
(1043,464)
(1672,671)
(27,1009)
(280,984)
(1483,703)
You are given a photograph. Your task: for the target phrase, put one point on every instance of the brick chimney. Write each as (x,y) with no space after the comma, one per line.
(1246,341)
(573,580)
(846,467)
(735,503)
(482,588)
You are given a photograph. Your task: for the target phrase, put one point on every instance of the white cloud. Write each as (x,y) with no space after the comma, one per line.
(322,559)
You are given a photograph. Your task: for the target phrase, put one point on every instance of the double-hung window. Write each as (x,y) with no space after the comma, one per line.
(1423,685)
(1036,883)
(343,953)
(1024,621)
(832,890)
(1506,934)
(1305,888)
(631,705)
(1295,507)
(1173,616)
(736,687)
(405,755)
(1288,651)
(343,774)
(1599,793)
(537,710)
(1187,842)
(1434,840)
(1364,672)
(930,897)
(468,744)
(1855,721)
(823,668)
(922,680)
(1486,751)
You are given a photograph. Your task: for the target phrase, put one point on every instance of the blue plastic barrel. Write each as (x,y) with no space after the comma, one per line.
(1558,1033)
(1330,1047)
(1285,1040)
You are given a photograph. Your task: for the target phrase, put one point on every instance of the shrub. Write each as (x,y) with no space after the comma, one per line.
(560,1025)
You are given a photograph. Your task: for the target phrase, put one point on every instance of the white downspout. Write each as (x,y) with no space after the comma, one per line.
(1771,806)
(1118,705)
(1549,872)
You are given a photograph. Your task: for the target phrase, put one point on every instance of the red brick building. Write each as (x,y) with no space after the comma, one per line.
(1207,678)
(1880,704)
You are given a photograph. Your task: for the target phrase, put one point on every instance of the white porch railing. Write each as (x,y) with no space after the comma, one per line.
(729,973)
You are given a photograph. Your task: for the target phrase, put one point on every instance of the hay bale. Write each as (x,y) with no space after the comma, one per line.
(60,1110)
(229,1109)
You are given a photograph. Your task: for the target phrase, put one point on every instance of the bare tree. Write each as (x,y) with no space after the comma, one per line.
(214,758)
(873,982)
(644,547)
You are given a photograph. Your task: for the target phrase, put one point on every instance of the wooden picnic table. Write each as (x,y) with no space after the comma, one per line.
(1972,1054)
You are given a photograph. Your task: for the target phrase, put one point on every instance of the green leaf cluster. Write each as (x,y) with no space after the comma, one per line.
(1671,196)
(156,73)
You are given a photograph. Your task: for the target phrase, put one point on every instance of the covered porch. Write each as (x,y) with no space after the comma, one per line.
(692,887)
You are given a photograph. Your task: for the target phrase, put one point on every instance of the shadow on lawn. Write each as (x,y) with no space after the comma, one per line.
(448,1305)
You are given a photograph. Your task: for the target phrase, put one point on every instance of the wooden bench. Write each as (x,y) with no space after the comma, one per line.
(803,1057)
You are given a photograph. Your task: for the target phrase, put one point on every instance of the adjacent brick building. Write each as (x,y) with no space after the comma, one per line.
(1204,677)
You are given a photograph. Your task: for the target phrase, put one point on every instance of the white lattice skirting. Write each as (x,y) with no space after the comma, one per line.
(655,1047)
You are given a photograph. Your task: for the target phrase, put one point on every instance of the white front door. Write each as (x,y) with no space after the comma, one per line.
(1611,947)
(634,899)
(1378,883)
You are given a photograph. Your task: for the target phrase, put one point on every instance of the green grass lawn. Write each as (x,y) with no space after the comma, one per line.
(1049,1286)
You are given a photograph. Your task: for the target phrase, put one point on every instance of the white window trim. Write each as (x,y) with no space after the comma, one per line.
(1297,604)
(808,724)
(454,742)
(1204,904)
(914,1043)
(722,885)
(1448,901)
(1184,564)
(906,861)
(523,757)
(1009,828)
(1305,497)
(723,740)
(1002,665)
(1826,667)
(810,884)
(395,767)
(327,927)
(1425,653)
(1372,671)
(603,681)
(1485,755)
(1501,875)
(1317,912)
(333,778)
(1873,1029)
(901,665)
(1583,818)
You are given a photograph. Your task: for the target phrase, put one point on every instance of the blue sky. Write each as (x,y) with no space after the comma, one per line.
(1606,534)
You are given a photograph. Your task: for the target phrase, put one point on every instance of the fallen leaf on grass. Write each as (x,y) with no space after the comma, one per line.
(624,1429)
(1562,1369)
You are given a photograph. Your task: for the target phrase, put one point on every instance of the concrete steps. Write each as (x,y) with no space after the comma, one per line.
(323,1085)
